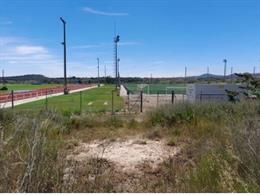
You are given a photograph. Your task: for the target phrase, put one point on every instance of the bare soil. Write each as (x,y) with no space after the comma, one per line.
(127,155)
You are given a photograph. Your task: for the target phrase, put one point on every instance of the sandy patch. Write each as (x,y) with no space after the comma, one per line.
(127,155)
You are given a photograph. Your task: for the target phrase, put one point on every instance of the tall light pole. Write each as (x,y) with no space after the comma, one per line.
(98,71)
(225,68)
(66,91)
(118,76)
(116,40)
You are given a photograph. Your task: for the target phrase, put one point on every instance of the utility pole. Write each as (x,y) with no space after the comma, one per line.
(225,68)
(254,70)
(98,71)
(66,91)
(116,40)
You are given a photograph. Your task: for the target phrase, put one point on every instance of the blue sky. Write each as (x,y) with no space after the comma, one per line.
(158,37)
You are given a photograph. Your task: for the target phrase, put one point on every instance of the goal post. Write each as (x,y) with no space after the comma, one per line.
(167,89)
(141,87)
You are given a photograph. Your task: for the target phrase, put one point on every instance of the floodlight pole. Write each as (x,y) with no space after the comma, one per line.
(118,75)
(225,68)
(98,71)
(65,56)
(116,40)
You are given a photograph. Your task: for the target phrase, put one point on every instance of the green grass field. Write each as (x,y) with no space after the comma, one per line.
(93,100)
(16,87)
(158,88)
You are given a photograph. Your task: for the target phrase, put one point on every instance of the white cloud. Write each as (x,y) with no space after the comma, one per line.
(93,11)
(30,49)
(4,41)
(20,56)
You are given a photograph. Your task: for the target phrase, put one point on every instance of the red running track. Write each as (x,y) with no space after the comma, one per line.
(38,92)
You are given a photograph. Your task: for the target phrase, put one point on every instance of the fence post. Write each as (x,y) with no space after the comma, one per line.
(80,101)
(46,99)
(112,102)
(173,94)
(141,107)
(128,101)
(12,95)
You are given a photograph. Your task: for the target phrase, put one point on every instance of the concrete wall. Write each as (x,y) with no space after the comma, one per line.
(123,91)
(211,92)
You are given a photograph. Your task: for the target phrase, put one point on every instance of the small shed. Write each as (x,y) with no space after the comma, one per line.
(212,92)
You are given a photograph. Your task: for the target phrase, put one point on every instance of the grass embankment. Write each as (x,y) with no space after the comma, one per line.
(93,100)
(158,88)
(220,153)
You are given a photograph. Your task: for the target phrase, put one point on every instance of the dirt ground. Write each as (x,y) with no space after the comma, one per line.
(130,157)
(127,155)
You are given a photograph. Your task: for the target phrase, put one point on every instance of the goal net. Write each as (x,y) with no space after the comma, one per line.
(168,90)
(142,87)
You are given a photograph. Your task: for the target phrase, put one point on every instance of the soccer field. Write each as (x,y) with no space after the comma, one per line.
(93,100)
(157,88)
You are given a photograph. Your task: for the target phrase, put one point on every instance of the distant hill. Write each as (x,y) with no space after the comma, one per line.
(38,78)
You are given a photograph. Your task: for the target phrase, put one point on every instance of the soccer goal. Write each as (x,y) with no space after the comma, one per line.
(141,87)
(169,90)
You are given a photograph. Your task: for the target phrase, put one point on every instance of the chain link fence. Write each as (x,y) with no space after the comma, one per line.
(104,99)
(142,102)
